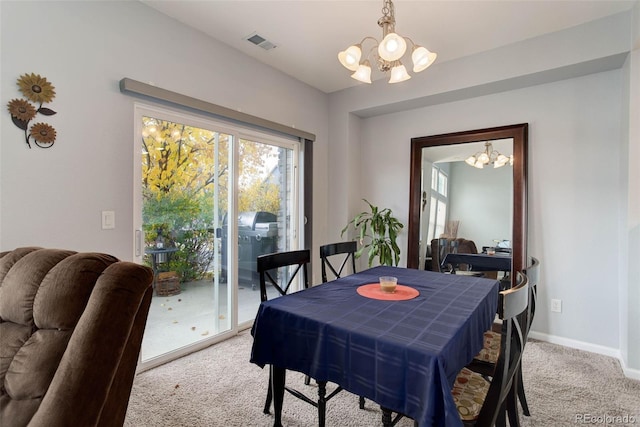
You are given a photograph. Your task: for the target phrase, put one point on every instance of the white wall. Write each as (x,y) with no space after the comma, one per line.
(54,197)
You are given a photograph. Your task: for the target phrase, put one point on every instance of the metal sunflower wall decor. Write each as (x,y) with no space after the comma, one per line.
(37,90)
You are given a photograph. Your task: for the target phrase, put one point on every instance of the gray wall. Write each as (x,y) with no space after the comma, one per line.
(573,88)
(482,200)
(54,197)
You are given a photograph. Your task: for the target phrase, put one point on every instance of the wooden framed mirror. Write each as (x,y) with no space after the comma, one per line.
(456,147)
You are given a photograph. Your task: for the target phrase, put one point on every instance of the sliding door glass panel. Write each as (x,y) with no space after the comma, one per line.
(266,212)
(185,182)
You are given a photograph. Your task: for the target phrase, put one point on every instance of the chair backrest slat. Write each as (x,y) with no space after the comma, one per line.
(533,274)
(271,263)
(512,306)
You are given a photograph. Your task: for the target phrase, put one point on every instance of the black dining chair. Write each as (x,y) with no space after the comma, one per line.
(533,274)
(486,400)
(334,254)
(344,255)
(443,246)
(280,270)
(485,361)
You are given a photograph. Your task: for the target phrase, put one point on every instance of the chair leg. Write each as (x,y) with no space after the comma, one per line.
(361,401)
(521,395)
(267,403)
(501,419)
(322,403)
(278,378)
(307,380)
(512,406)
(386,417)
(501,422)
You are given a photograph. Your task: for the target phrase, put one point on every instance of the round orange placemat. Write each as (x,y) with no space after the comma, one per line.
(372,290)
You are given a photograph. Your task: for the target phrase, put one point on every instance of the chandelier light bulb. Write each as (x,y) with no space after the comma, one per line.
(363,72)
(422,58)
(399,74)
(501,160)
(392,47)
(350,58)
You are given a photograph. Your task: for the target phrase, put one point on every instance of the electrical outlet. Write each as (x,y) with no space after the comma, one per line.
(556,306)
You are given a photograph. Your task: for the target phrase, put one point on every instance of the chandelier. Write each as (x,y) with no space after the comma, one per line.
(386,54)
(487,157)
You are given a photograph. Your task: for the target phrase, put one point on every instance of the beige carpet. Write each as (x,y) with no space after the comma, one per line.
(219,387)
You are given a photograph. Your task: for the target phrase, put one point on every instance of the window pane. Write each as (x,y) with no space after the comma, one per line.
(432,220)
(442,184)
(434,178)
(441,218)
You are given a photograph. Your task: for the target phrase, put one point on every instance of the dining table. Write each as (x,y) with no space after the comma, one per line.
(401,350)
(499,261)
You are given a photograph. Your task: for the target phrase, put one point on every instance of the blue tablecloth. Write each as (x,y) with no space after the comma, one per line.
(404,355)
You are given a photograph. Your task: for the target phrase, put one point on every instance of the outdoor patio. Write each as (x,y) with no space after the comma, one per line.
(191,316)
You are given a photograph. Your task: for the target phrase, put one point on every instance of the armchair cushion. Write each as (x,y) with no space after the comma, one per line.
(71,327)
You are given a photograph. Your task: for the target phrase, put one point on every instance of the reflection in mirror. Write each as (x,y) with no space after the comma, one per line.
(460,200)
(449,196)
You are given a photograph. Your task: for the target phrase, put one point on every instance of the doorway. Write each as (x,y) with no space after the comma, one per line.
(193,175)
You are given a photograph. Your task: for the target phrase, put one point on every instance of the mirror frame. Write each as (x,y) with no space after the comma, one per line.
(519,133)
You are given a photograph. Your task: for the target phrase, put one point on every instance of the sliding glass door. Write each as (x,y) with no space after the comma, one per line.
(209,199)
(267,212)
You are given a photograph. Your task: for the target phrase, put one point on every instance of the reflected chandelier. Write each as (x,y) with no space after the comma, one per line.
(387,53)
(488,156)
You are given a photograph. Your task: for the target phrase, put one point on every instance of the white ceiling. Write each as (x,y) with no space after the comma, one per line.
(309,34)
(459,152)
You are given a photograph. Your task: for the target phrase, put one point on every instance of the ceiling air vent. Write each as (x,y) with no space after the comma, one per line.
(258,40)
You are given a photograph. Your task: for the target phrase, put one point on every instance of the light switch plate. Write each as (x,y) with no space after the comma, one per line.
(108,220)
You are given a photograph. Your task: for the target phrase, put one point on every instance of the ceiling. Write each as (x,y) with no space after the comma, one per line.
(459,152)
(309,34)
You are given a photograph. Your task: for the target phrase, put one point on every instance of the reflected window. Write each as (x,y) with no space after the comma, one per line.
(439,202)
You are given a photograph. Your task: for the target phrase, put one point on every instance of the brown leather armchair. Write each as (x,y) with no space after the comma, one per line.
(71,327)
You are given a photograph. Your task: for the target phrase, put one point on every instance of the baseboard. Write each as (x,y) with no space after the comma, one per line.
(592,348)
(629,372)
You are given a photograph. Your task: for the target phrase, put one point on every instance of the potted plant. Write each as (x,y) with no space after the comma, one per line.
(377,230)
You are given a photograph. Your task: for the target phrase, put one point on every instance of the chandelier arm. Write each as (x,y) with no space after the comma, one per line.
(412,42)
(369,38)
(374,50)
